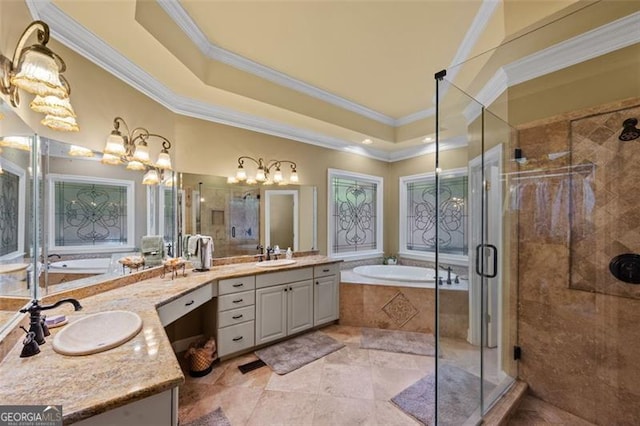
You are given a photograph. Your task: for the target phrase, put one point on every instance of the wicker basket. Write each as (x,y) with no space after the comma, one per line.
(201,355)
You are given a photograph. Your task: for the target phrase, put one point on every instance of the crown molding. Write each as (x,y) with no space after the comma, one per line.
(416,151)
(179,15)
(591,44)
(602,40)
(73,35)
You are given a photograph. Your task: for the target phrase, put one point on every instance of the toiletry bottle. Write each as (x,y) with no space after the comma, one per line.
(289,253)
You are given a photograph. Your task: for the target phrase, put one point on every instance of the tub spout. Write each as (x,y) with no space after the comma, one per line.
(449,275)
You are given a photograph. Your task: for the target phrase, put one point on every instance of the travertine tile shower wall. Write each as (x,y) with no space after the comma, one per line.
(578,326)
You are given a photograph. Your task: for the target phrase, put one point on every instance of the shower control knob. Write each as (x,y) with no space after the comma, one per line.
(626,267)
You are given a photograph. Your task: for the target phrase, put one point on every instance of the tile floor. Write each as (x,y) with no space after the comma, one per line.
(352,386)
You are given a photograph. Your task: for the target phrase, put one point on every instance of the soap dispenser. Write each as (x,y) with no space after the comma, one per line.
(289,253)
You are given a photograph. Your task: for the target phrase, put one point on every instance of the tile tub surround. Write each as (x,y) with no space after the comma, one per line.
(144,366)
(403,308)
(578,347)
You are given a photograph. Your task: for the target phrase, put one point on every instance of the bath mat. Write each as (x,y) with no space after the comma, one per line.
(459,397)
(294,353)
(214,418)
(407,342)
(250,366)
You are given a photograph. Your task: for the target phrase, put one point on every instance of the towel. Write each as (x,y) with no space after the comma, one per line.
(205,250)
(192,245)
(152,248)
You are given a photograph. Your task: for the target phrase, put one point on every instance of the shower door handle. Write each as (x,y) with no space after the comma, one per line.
(479,252)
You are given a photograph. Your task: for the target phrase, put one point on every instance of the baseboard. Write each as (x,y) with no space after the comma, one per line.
(183,344)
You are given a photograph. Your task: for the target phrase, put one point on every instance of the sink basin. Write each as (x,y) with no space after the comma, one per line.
(275,263)
(97,333)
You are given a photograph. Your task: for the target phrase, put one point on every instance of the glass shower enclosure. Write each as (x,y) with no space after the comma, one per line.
(476,328)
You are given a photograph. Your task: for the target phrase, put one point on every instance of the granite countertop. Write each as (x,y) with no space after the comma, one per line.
(144,366)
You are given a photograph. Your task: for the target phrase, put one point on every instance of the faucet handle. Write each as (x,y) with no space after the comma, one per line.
(30,346)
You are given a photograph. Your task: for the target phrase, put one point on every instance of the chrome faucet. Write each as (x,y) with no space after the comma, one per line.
(449,275)
(37,324)
(260,254)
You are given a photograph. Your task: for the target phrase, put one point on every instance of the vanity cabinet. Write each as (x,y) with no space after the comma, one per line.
(326,293)
(184,304)
(284,304)
(236,314)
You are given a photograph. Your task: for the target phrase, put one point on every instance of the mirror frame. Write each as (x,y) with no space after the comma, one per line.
(268,193)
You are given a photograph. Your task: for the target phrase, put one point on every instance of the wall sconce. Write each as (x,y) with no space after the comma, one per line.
(132,148)
(38,70)
(263,172)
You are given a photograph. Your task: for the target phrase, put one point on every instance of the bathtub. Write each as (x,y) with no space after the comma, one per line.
(81,266)
(398,276)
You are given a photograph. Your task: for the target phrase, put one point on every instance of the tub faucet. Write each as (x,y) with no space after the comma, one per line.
(54,255)
(449,275)
(37,324)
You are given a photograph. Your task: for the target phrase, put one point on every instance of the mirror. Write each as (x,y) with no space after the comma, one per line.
(234,215)
(94,214)
(19,157)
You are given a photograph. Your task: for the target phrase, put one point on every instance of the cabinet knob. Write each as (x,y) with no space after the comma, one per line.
(285,289)
(189,303)
(238,301)
(238,285)
(235,339)
(317,283)
(237,316)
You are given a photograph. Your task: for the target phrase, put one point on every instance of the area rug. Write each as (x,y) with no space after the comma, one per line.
(407,342)
(459,396)
(294,353)
(214,418)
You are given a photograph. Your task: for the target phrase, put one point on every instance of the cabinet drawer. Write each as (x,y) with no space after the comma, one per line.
(275,278)
(325,270)
(236,300)
(184,304)
(236,316)
(235,338)
(235,285)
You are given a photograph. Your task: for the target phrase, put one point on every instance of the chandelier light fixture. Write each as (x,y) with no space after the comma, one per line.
(38,70)
(266,174)
(132,149)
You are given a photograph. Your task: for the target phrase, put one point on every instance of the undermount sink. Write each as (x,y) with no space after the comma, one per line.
(97,333)
(275,263)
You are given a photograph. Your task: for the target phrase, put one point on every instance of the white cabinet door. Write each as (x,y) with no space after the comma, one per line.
(325,301)
(300,306)
(271,313)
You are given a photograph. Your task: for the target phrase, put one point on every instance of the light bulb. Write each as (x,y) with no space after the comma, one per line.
(294,176)
(260,175)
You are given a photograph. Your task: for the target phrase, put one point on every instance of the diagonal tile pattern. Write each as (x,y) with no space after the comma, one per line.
(352,386)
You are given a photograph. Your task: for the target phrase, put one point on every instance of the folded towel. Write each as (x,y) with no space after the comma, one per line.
(185,242)
(192,245)
(152,247)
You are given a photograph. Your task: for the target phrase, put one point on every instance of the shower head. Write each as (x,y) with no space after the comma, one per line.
(629,130)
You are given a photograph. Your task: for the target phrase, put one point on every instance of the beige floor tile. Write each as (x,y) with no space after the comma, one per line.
(237,402)
(386,359)
(351,354)
(305,379)
(346,381)
(232,376)
(333,411)
(387,414)
(283,408)
(388,382)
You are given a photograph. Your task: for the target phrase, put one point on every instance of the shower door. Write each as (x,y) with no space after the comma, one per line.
(475,321)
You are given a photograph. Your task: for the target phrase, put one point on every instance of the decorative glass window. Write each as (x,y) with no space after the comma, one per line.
(418,215)
(355,215)
(91,214)
(12,210)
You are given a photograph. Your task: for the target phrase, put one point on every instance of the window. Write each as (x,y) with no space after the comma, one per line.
(355,215)
(90,214)
(418,216)
(12,210)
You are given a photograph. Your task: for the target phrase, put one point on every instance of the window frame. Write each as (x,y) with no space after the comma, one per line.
(379,182)
(453,259)
(129,185)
